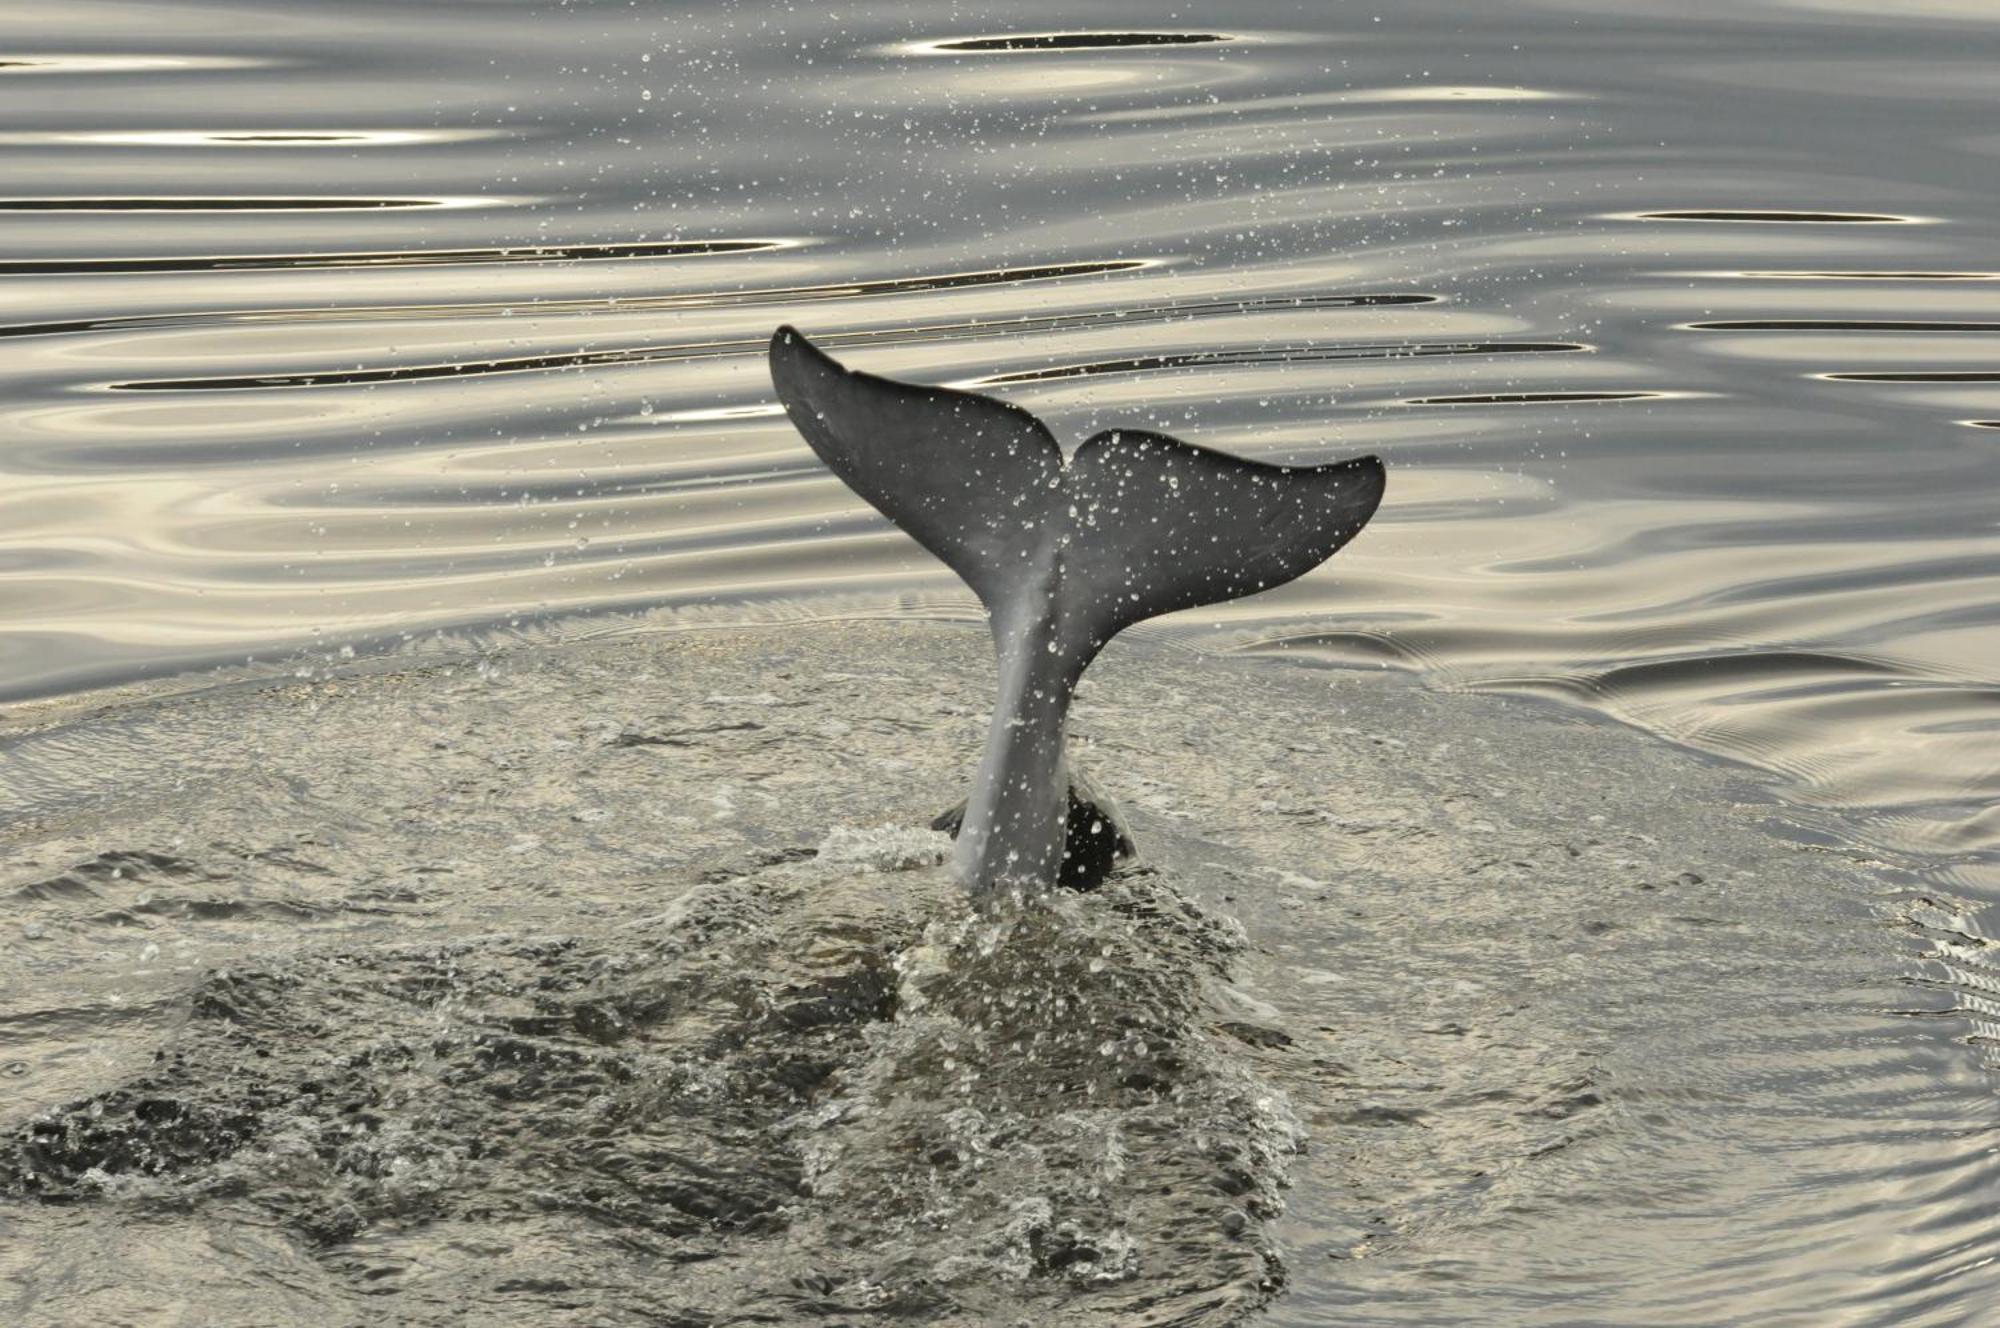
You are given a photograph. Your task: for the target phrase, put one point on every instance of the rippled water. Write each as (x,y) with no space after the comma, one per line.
(1678,325)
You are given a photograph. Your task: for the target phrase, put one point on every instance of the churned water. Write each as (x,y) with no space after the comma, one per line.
(587,985)
(334,327)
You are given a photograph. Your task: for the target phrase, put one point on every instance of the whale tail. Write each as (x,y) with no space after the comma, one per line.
(1064,554)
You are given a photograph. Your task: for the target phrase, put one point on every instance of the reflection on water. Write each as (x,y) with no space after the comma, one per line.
(167,203)
(1066,41)
(615,304)
(1765,215)
(1676,325)
(1526,398)
(539,253)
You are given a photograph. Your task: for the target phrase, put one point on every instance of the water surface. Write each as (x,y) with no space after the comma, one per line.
(1678,325)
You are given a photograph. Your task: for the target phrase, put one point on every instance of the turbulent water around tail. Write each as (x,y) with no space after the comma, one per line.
(619,983)
(781,1097)
(535,1078)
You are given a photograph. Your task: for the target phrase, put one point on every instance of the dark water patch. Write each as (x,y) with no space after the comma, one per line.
(118,867)
(84,1022)
(957,331)
(1761,215)
(1409,350)
(1340,649)
(1842,325)
(1531,398)
(131,1132)
(165,204)
(1908,572)
(1732,673)
(711,476)
(1739,669)
(541,253)
(458,369)
(1861,275)
(54,888)
(155,909)
(616,304)
(783,1078)
(1077,41)
(1916,376)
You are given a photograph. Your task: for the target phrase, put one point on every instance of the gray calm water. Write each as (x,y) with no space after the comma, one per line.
(339,326)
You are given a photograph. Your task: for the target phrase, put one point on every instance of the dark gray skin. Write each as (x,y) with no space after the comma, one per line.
(1064,554)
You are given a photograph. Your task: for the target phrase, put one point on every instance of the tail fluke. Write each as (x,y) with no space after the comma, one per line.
(1064,555)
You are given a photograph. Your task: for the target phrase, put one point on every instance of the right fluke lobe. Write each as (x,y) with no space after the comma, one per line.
(1159,524)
